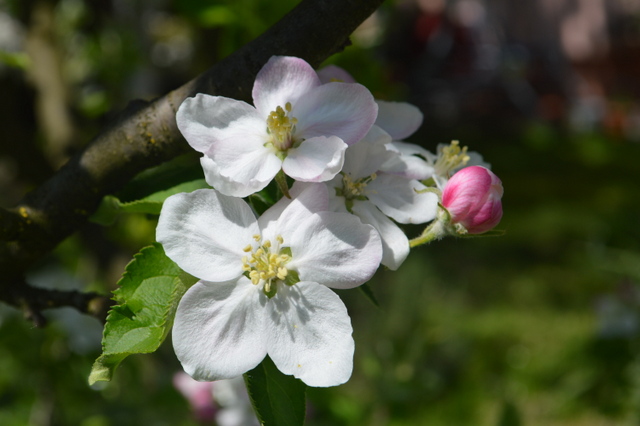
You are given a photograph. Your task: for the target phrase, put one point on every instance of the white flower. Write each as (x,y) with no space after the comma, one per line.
(298,125)
(263,287)
(362,189)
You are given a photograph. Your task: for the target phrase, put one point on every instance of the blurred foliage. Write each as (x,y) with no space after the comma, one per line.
(540,326)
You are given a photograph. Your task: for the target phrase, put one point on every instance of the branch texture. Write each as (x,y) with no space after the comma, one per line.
(146,135)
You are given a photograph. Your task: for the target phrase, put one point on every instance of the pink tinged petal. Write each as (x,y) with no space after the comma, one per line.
(336,250)
(282,218)
(219,329)
(203,120)
(333,73)
(335,109)
(473,198)
(399,119)
(310,334)
(412,161)
(402,199)
(316,160)
(226,185)
(204,232)
(395,244)
(367,155)
(283,79)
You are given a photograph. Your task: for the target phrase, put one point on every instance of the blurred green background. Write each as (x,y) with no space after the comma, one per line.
(537,327)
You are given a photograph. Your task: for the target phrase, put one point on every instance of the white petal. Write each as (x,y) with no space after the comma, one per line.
(205,119)
(283,79)
(336,250)
(399,119)
(395,244)
(413,161)
(310,334)
(315,160)
(204,232)
(401,199)
(335,109)
(367,155)
(219,329)
(226,185)
(306,198)
(337,203)
(333,73)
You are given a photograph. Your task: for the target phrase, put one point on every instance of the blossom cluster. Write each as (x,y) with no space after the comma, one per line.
(265,281)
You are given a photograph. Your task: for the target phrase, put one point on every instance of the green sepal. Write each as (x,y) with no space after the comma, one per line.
(278,399)
(368,293)
(147,298)
(292,277)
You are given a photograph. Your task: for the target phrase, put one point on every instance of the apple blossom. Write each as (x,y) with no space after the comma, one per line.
(362,189)
(473,199)
(264,282)
(298,125)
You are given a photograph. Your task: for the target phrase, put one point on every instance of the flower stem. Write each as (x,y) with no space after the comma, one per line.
(281,180)
(434,231)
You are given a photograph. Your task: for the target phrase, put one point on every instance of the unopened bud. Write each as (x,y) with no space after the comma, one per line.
(472,197)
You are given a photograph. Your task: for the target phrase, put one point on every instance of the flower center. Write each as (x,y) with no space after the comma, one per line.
(451,157)
(266,264)
(281,126)
(354,189)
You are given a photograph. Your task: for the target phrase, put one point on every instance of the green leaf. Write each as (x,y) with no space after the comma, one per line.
(111,206)
(278,399)
(147,298)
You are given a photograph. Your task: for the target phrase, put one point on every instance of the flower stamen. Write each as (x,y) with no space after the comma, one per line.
(450,158)
(354,188)
(281,126)
(267,264)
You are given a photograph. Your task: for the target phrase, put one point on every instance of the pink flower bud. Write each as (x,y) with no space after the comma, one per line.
(472,197)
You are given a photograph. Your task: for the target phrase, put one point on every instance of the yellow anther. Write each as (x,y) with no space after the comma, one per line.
(354,188)
(280,126)
(265,266)
(451,157)
(247,249)
(282,273)
(257,237)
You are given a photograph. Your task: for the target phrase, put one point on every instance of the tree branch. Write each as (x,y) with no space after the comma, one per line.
(146,135)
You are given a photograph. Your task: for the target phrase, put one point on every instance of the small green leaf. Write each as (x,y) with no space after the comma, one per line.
(278,399)
(147,298)
(111,206)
